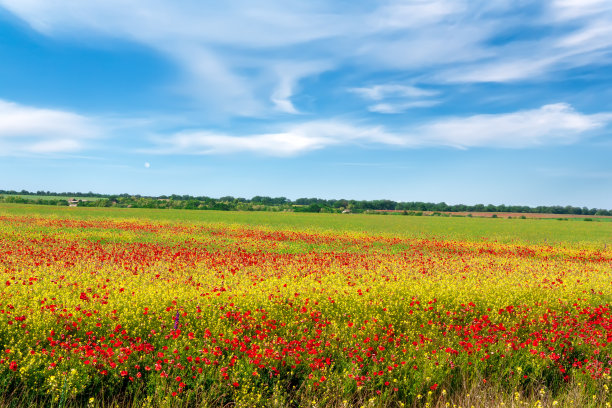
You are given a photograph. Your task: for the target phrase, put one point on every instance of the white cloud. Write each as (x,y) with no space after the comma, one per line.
(398,98)
(292,140)
(379,92)
(400,15)
(55,146)
(210,81)
(399,107)
(248,58)
(504,70)
(549,125)
(157,22)
(574,9)
(26,129)
(579,35)
(212,43)
(289,75)
(432,47)
(234,55)
(20,120)
(31,130)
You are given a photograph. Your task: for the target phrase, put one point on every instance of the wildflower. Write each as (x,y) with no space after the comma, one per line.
(176,320)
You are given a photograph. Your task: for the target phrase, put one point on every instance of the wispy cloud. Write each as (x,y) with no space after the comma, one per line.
(574,33)
(397,98)
(291,140)
(549,125)
(247,58)
(213,45)
(575,9)
(379,92)
(399,107)
(289,74)
(33,130)
(209,80)
(26,129)
(393,15)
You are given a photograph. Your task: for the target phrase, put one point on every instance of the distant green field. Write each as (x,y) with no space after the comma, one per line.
(52,197)
(534,231)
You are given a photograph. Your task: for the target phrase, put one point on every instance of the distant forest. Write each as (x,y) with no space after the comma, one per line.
(263,203)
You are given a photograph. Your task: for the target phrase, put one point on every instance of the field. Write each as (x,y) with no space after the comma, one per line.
(51,197)
(131,307)
(563,217)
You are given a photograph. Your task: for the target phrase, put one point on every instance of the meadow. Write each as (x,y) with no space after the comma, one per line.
(132,307)
(51,197)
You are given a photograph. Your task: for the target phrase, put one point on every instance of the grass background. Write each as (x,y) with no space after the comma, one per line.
(52,197)
(574,232)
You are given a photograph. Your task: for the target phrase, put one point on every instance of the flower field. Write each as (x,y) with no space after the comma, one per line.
(146,312)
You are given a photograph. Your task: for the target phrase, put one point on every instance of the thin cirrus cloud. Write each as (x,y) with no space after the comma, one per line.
(33,130)
(574,9)
(399,107)
(213,44)
(245,58)
(289,75)
(548,125)
(379,92)
(397,98)
(292,140)
(579,36)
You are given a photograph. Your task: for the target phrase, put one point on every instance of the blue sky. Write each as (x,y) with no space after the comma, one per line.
(443,100)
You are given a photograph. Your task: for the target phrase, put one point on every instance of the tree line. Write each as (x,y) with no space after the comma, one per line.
(265,203)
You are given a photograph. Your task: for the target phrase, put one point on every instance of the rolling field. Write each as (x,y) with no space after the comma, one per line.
(52,197)
(132,307)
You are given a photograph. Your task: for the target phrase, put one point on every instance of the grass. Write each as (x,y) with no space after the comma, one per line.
(533,231)
(52,197)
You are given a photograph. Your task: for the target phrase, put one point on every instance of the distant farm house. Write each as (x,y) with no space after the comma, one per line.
(73,202)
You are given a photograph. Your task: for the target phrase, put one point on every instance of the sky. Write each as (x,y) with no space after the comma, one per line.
(460,101)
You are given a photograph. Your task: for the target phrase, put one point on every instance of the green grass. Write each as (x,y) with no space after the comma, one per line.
(51,197)
(535,231)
